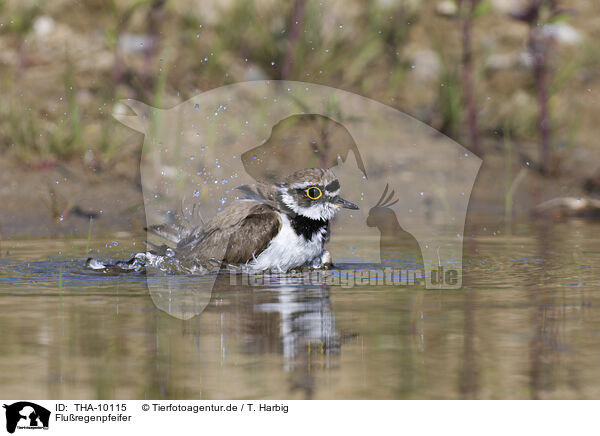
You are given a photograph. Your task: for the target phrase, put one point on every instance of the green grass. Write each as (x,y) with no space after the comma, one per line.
(89,237)
(367,49)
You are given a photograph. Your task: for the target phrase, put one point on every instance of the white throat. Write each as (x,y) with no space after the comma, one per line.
(320,211)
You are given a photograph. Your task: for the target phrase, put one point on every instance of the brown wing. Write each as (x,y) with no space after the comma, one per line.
(253,235)
(210,240)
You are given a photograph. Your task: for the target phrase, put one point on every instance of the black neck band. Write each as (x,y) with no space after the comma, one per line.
(307,227)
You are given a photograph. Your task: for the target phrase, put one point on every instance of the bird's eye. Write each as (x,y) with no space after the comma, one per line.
(313,193)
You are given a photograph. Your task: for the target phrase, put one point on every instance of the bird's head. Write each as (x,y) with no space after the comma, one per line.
(313,193)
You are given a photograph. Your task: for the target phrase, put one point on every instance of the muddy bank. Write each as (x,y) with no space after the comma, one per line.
(60,198)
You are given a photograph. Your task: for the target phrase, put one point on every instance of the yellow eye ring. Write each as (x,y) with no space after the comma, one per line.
(313,195)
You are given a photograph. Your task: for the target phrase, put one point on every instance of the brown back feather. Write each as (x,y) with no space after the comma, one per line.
(254,235)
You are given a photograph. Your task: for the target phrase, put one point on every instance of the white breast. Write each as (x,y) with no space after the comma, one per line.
(288,250)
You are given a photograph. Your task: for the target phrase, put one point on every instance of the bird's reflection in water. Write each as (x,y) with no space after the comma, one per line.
(304,330)
(294,321)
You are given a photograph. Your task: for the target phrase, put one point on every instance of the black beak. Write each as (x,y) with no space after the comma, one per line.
(339,201)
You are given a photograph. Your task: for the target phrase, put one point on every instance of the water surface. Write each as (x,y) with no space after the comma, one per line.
(526,324)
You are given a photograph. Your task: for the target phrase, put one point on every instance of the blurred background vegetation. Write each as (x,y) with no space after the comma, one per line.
(499,76)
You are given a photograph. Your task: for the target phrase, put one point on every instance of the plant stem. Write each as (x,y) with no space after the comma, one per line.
(89,237)
(467,74)
(539,45)
(544,121)
(295,26)
(507,181)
